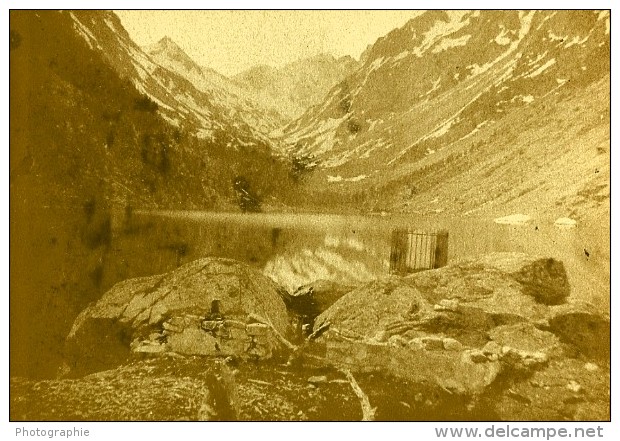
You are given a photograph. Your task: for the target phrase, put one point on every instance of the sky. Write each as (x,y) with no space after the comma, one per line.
(233,41)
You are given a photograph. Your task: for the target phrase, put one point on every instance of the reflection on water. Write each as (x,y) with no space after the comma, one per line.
(346,256)
(298,249)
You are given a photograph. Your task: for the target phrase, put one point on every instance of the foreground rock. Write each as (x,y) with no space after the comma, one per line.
(464,300)
(207,307)
(466,327)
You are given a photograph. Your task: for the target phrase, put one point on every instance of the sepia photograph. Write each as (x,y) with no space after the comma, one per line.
(309,215)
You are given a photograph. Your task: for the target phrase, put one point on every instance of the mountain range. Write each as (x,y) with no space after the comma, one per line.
(462,101)
(469,112)
(296,86)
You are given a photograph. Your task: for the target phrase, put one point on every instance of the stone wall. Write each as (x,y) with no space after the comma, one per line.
(193,335)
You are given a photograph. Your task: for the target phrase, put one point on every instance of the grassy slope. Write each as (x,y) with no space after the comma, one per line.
(551,167)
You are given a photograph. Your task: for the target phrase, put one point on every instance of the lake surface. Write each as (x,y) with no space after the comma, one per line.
(295,249)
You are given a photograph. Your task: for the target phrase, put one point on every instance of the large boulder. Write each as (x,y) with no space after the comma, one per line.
(504,282)
(459,326)
(542,278)
(208,307)
(463,300)
(582,325)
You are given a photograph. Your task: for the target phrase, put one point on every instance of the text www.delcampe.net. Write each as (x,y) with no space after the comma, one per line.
(507,431)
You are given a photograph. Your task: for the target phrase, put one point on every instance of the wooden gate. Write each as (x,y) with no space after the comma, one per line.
(414,251)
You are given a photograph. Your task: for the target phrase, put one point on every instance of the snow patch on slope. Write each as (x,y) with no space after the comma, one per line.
(448,43)
(401,56)
(110,24)
(441,30)
(542,68)
(502,38)
(339,178)
(84,32)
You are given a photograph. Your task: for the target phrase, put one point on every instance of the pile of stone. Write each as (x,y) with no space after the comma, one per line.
(194,335)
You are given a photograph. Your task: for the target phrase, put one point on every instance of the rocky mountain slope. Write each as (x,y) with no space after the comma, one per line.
(470,113)
(223,92)
(205,111)
(297,86)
